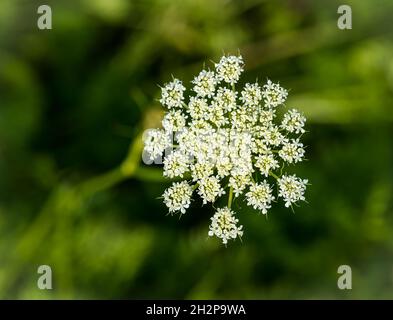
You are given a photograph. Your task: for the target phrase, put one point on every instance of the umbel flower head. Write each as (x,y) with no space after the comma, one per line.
(228,142)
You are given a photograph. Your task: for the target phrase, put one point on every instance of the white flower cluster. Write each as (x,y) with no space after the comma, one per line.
(225,142)
(224,225)
(178,197)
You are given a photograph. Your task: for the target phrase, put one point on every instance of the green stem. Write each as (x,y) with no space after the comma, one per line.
(274,175)
(230,197)
(101,182)
(149,174)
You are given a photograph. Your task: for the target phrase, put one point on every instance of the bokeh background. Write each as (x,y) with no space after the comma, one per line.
(73,191)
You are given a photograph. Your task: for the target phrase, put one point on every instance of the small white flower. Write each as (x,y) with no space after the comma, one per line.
(201,126)
(205,83)
(216,115)
(175,164)
(242,165)
(244,119)
(260,196)
(265,163)
(229,68)
(291,189)
(209,189)
(197,108)
(224,166)
(224,225)
(172,94)
(239,183)
(292,152)
(293,121)
(273,94)
(174,121)
(226,98)
(201,170)
(186,140)
(240,119)
(178,197)
(273,136)
(156,142)
(267,116)
(251,94)
(259,145)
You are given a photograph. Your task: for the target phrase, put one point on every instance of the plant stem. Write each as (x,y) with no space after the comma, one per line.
(101,182)
(274,175)
(230,197)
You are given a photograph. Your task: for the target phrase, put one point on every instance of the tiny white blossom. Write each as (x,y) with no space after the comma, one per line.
(229,68)
(209,189)
(201,126)
(293,121)
(173,121)
(224,166)
(197,108)
(291,189)
(260,196)
(265,163)
(259,145)
(172,94)
(175,164)
(239,183)
(273,136)
(216,115)
(205,83)
(251,94)
(226,98)
(240,119)
(292,152)
(201,170)
(224,225)
(178,197)
(186,140)
(267,116)
(273,94)
(156,141)
(244,119)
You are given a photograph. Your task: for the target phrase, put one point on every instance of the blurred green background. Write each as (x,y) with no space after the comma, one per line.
(73,195)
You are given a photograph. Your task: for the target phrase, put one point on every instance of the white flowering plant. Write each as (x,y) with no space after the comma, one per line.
(224,142)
